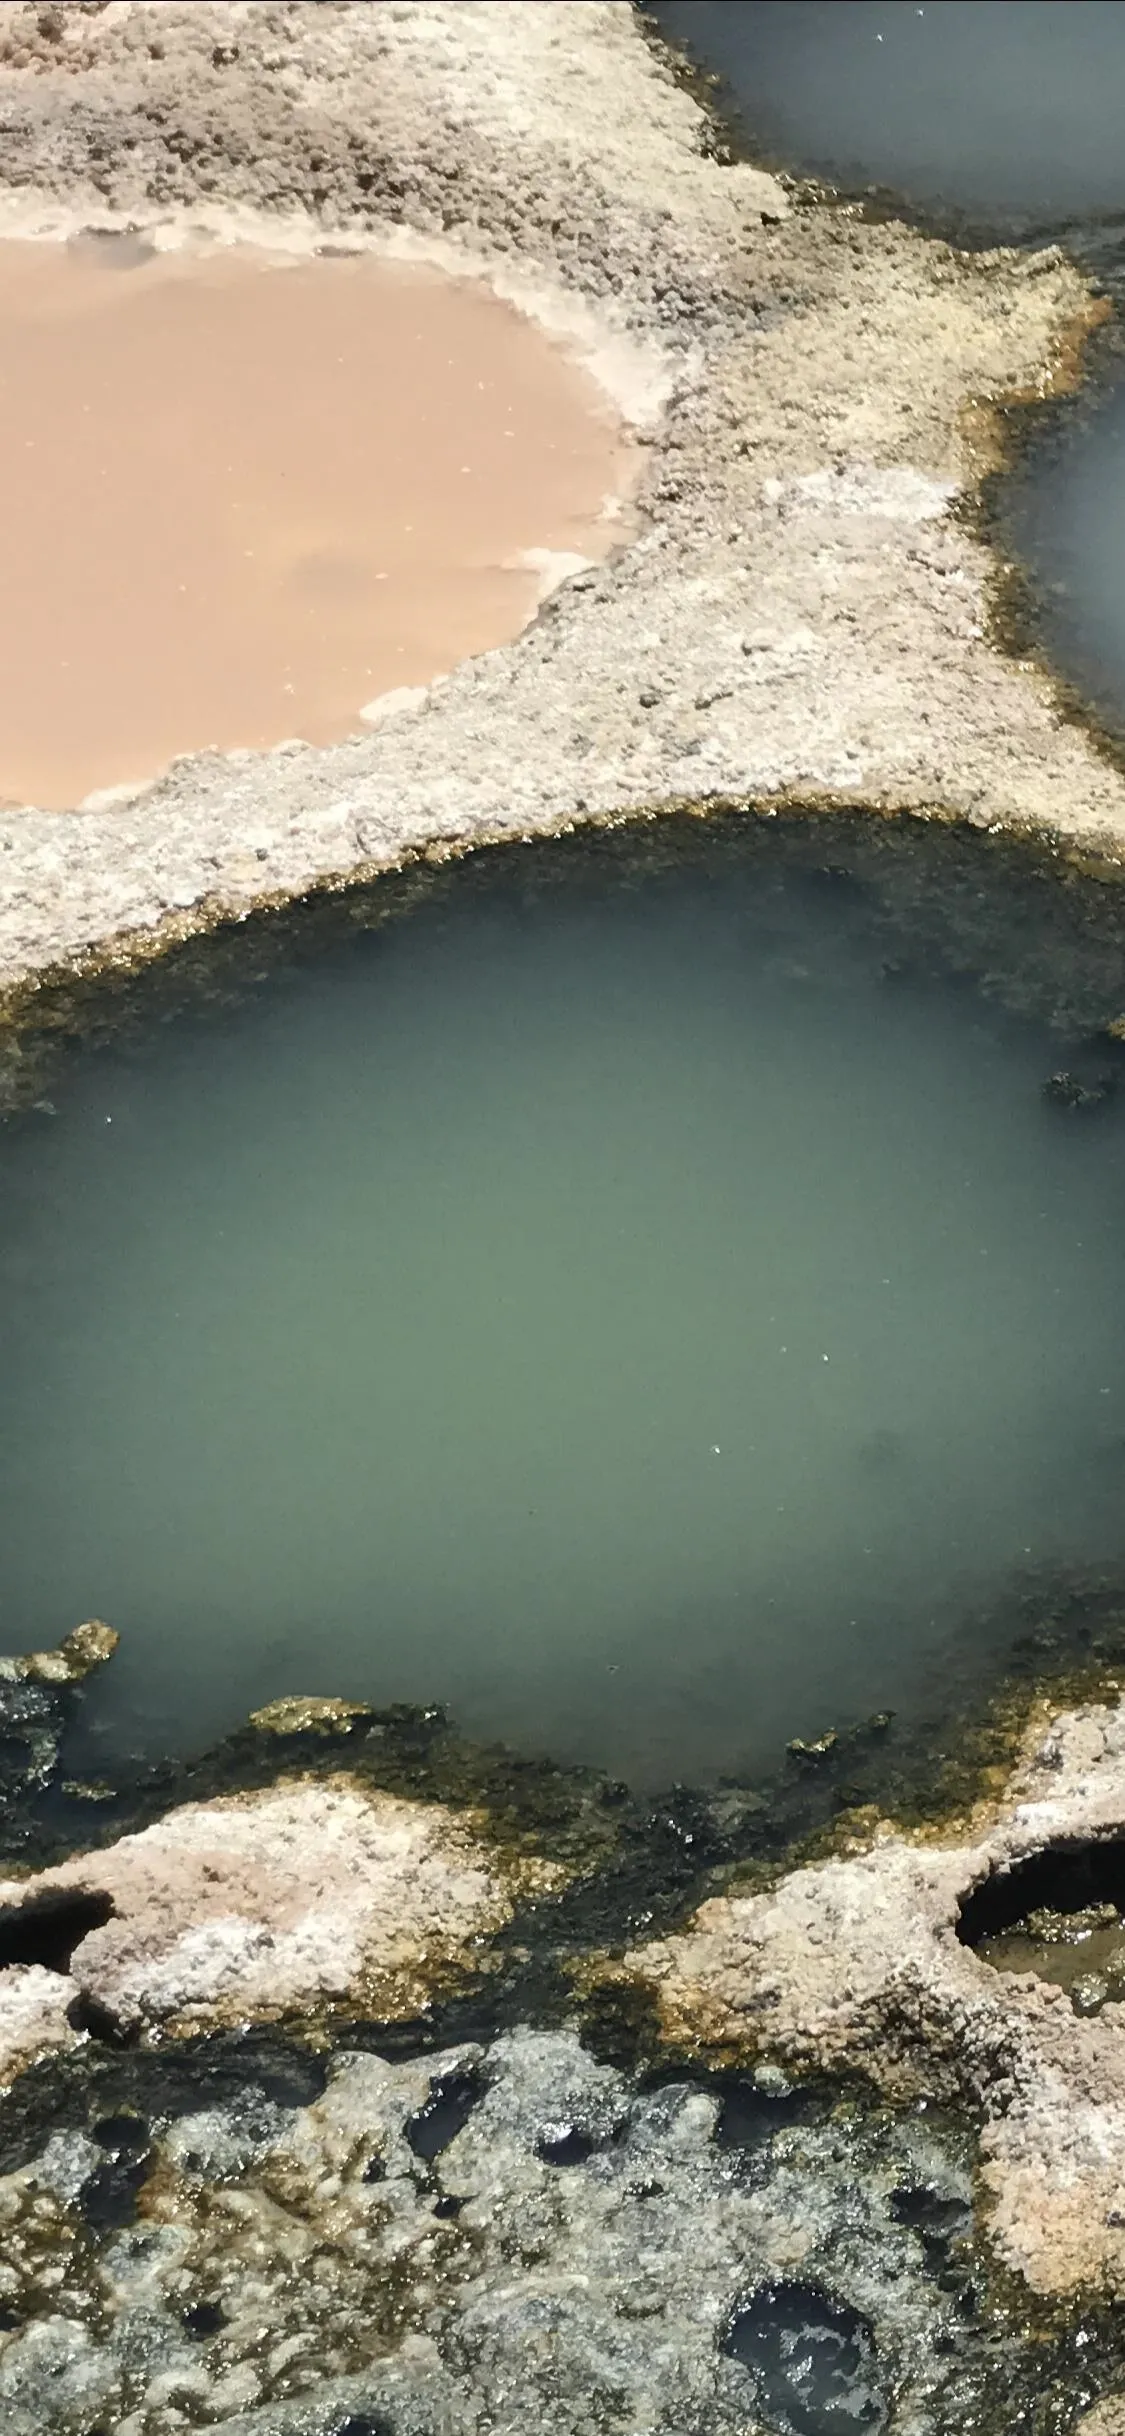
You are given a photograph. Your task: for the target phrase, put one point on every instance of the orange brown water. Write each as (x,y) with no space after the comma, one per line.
(241,498)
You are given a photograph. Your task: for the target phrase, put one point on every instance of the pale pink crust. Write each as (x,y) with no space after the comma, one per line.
(856,1964)
(272,1905)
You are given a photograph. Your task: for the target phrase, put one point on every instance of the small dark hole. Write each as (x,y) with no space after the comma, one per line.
(118,2132)
(358,2424)
(49,1930)
(448,2205)
(374,2170)
(572,2147)
(923,2210)
(85,2014)
(812,2358)
(749,2116)
(1064,1878)
(204,2318)
(108,2200)
(445,2113)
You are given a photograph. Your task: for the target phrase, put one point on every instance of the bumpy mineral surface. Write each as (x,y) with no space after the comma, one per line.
(1106,2419)
(856,1964)
(492,2238)
(277,1904)
(233,2194)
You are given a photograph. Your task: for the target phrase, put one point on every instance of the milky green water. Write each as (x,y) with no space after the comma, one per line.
(623,1312)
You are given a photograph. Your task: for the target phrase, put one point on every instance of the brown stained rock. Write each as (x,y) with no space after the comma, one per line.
(272,1905)
(90,1645)
(33,2008)
(36,1692)
(856,1965)
(307,1714)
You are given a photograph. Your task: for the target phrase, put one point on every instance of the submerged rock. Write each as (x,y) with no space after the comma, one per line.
(1090,1993)
(822,1748)
(303,1897)
(864,1964)
(1066,1090)
(36,1698)
(309,1714)
(90,1645)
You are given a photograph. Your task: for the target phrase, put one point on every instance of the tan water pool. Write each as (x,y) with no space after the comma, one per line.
(242,496)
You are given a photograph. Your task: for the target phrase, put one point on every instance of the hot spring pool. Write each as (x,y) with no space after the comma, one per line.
(640,1308)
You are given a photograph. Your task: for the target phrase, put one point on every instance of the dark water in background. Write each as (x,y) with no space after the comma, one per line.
(1061,513)
(624,1310)
(1009,113)
(999,115)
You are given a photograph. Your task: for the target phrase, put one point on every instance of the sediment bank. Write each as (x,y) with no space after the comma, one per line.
(802,619)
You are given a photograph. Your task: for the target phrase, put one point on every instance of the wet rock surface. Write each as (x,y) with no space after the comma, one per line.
(291,2262)
(36,1707)
(426,2230)
(867,1964)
